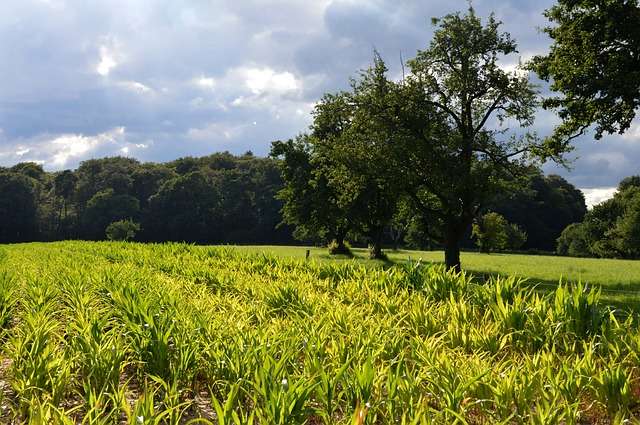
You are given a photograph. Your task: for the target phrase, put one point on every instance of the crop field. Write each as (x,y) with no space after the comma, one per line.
(109,333)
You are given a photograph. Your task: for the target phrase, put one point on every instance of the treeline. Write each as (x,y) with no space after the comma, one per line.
(224,198)
(220,198)
(610,229)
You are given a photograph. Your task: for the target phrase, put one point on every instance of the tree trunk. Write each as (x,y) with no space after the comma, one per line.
(375,251)
(452,255)
(375,246)
(337,245)
(452,247)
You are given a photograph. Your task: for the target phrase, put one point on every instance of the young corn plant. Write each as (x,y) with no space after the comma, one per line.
(8,299)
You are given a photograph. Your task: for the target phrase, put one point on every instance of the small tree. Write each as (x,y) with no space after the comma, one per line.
(490,232)
(516,237)
(573,241)
(494,233)
(122,230)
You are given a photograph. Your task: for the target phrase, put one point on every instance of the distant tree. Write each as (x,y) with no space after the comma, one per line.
(186,208)
(456,95)
(238,214)
(573,241)
(610,229)
(541,205)
(490,232)
(64,184)
(628,183)
(516,237)
(593,65)
(30,169)
(147,179)
(18,208)
(122,230)
(104,208)
(97,175)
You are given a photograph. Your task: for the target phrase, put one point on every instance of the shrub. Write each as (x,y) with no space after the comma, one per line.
(123,230)
(573,241)
(494,233)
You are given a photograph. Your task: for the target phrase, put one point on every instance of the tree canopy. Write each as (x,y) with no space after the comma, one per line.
(593,66)
(455,152)
(610,229)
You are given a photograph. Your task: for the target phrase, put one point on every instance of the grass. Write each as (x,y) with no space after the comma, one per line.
(615,274)
(112,333)
(619,279)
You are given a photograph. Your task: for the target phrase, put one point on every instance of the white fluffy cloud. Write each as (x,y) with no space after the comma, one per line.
(597,195)
(57,152)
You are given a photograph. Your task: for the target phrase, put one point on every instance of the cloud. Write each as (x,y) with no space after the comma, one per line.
(135,86)
(190,78)
(107,61)
(266,80)
(594,196)
(62,151)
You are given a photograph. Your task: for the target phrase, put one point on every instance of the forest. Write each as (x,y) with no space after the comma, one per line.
(225,199)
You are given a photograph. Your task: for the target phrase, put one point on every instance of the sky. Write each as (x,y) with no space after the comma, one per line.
(161,79)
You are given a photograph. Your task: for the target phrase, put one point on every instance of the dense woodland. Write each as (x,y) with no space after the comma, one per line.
(216,199)
(224,198)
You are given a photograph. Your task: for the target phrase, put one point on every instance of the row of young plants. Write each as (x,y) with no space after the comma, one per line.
(106,333)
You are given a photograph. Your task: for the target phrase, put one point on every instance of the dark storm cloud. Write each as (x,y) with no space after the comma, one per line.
(161,79)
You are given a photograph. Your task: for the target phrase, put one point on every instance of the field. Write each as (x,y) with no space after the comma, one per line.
(619,279)
(107,333)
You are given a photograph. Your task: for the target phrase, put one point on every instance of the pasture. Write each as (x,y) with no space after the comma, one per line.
(107,333)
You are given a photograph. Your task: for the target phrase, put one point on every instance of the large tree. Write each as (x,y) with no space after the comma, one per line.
(593,65)
(454,141)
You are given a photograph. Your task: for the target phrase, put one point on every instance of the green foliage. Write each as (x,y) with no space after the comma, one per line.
(610,229)
(573,241)
(81,203)
(493,233)
(18,220)
(541,205)
(123,230)
(310,202)
(490,232)
(593,64)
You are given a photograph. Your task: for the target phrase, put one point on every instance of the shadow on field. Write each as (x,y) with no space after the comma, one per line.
(622,297)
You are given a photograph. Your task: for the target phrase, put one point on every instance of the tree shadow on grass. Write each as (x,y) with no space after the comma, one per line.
(624,297)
